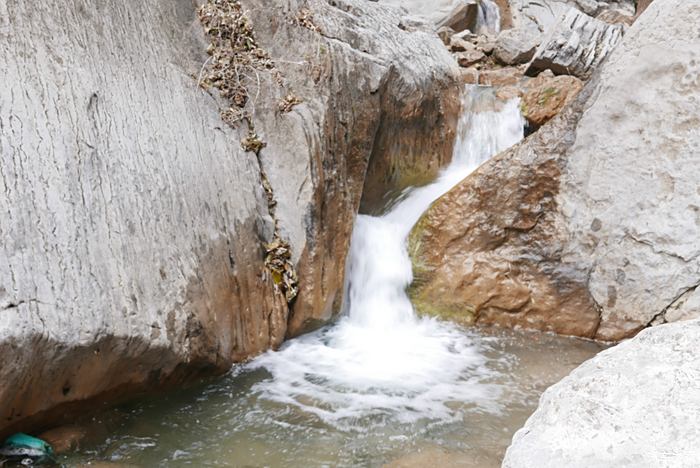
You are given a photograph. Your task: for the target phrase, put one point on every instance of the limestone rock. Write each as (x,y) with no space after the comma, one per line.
(546,95)
(485,43)
(633,405)
(133,223)
(642,5)
(515,46)
(590,226)
(616,17)
(463,16)
(469,57)
(576,46)
(433,11)
(458,45)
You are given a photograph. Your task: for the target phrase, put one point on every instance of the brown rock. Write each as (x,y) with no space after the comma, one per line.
(462,17)
(642,5)
(546,95)
(506,76)
(615,17)
(506,13)
(471,249)
(506,93)
(470,75)
(64,439)
(588,226)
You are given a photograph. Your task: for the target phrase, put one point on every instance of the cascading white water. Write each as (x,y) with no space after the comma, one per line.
(380,359)
(489,20)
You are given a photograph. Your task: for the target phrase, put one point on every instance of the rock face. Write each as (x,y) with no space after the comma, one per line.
(433,11)
(463,16)
(546,95)
(134,223)
(633,405)
(589,226)
(576,46)
(515,46)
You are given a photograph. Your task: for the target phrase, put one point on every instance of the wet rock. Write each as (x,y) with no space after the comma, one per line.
(515,46)
(576,46)
(64,439)
(574,233)
(135,224)
(545,96)
(633,405)
(462,17)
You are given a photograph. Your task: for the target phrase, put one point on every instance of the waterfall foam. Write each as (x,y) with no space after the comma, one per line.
(380,360)
(489,19)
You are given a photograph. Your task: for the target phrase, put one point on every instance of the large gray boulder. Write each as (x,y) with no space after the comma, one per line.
(134,225)
(589,227)
(634,405)
(515,46)
(576,46)
(527,24)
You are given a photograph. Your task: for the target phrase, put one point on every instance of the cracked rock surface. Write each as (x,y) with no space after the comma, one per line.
(589,227)
(133,224)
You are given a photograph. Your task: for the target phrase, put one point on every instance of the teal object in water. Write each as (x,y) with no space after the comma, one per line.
(25,446)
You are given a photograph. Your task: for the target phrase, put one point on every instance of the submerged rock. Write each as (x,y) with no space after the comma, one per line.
(633,405)
(589,226)
(134,223)
(64,439)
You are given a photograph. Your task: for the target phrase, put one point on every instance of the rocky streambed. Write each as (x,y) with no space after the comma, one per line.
(230,422)
(180,181)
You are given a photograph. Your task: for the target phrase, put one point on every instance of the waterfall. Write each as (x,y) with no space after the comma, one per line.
(380,359)
(489,19)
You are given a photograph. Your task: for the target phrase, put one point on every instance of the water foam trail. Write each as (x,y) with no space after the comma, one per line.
(380,359)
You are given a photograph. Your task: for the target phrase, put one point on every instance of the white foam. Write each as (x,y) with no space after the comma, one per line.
(380,359)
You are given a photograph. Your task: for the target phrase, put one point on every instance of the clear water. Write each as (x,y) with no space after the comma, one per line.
(228,423)
(380,360)
(380,384)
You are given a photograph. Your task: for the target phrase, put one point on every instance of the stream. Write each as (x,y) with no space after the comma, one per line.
(379,386)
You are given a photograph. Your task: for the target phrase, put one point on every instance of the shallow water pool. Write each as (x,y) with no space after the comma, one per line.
(227,423)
